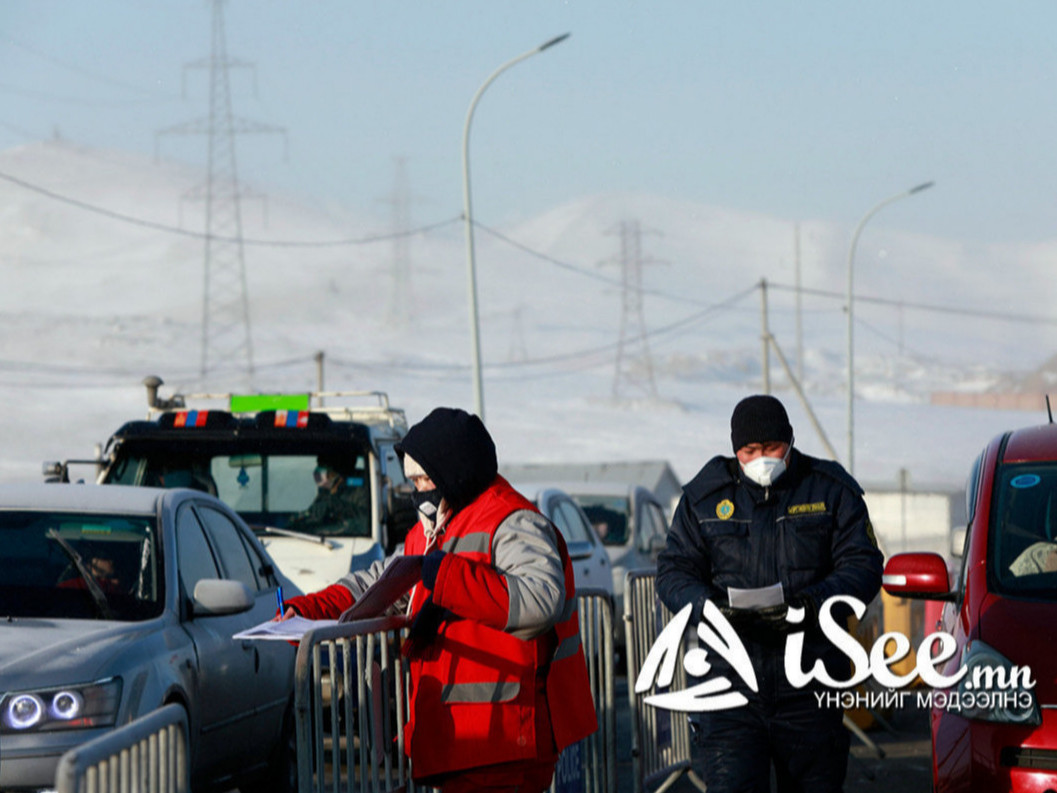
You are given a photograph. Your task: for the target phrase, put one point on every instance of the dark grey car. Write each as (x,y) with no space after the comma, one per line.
(117,600)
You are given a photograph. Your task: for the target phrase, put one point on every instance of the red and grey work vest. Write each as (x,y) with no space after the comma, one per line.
(476,689)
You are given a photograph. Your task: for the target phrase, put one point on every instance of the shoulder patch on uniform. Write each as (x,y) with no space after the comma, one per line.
(725,509)
(869,532)
(807,509)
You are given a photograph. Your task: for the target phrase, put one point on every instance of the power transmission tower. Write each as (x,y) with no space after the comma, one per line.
(226,336)
(634,364)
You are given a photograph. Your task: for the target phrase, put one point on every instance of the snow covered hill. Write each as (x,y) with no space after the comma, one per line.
(102,262)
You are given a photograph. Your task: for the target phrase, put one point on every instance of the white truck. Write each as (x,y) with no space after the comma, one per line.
(263,454)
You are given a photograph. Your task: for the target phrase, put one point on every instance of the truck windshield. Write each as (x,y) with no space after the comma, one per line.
(47,556)
(1023,551)
(302,492)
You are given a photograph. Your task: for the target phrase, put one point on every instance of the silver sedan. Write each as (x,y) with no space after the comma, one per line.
(116,600)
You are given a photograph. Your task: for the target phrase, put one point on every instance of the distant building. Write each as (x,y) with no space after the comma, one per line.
(915,518)
(657,475)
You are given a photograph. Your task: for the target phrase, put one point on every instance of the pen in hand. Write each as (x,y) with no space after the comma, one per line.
(279,601)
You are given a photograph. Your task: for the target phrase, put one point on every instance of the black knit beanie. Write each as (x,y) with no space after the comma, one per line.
(455,450)
(758,419)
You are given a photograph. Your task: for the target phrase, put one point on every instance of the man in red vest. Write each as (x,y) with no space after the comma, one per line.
(499,683)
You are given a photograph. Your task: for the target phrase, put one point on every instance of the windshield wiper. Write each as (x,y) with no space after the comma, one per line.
(330,545)
(93,586)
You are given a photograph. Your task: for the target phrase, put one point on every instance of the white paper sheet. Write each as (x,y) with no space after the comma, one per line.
(287,630)
(760,598)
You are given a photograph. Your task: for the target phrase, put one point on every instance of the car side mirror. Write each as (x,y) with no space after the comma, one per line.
(215,598)
(919,575)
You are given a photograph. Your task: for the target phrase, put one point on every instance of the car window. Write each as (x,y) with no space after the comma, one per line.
(194,556)
(234,561)
(1022,548)
(655,524)
(39,576)
(609,516)
(568,519)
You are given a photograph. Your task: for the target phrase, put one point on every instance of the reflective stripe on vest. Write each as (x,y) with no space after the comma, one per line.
(471,542)
(480,692)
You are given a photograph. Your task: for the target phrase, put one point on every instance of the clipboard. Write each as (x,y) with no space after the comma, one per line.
(398,577)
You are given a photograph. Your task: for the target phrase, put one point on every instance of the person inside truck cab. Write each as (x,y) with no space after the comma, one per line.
(186,474)
(340,505)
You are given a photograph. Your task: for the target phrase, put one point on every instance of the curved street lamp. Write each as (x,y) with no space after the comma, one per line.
(471,274)
(851,348)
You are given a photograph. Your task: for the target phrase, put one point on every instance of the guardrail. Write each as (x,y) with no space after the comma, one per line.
(660,739)
(148,755)
(590,765)
(351,705)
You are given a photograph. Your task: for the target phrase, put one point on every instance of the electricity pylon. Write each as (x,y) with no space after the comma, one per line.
(226,337)
(634,364)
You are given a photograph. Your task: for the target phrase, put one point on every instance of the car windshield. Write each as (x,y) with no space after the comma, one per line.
(1023,553)
(48,557)
(323,495)
(609,516)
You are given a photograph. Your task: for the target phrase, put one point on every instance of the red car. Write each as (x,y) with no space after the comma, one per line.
(996,728)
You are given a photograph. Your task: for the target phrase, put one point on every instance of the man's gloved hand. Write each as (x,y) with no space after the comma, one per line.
(739,619)
(424,627)
(807,603)
(430,567)
(773,618)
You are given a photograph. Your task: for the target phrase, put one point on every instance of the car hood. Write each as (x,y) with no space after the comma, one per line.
(1025,632)
(59,652)
(313,566)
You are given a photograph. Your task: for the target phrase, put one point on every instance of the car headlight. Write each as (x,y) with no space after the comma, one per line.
(67,708)
(993,689)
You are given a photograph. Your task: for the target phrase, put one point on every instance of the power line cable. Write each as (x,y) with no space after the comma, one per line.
(583,270)
(150,224)
(77,69)
(968,312)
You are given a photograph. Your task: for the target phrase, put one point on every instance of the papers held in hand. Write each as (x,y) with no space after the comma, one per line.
(761,598)
(400,574)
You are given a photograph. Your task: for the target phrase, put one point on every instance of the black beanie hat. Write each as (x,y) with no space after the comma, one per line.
(455,450)
(758,419)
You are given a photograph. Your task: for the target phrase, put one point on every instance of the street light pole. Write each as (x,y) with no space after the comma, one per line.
(851,346)
(471,268)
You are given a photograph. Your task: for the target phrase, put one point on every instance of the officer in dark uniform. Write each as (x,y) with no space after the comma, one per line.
(769,515)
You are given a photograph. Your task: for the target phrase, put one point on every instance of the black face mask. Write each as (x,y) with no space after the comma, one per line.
(427,502)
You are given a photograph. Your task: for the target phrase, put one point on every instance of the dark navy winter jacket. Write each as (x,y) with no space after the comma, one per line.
(809,530)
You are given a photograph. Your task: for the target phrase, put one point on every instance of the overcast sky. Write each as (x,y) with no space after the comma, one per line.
(805,111)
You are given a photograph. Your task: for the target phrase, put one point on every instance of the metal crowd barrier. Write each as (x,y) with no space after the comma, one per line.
(351,705)
(148,755)
(590,765)
(660,739)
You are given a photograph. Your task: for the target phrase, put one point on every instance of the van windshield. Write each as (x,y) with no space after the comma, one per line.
(322,495)
(609,516)
(1023,553)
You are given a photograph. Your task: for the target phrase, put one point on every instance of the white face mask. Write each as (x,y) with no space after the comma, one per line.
(764,470)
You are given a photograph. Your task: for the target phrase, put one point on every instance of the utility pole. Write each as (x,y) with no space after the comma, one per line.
(634,364)
(226,338)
